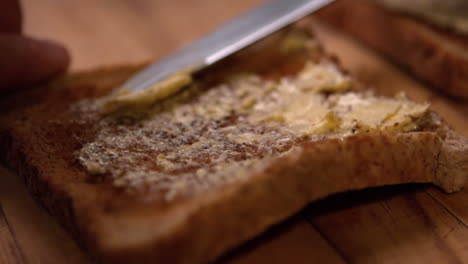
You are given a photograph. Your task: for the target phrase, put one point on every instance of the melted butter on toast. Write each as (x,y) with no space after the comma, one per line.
(207,136)
(143,98)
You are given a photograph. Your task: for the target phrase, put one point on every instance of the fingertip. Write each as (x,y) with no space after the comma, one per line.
(54,57)
(27,61)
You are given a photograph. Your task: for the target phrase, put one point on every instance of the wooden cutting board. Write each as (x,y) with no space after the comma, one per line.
(400,224)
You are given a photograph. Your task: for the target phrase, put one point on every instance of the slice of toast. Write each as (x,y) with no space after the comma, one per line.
(217,163)
(436,54)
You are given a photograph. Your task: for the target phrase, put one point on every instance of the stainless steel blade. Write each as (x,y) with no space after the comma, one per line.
(226,40)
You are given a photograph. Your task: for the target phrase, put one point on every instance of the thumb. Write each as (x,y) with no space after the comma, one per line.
(10,20)
(26,61)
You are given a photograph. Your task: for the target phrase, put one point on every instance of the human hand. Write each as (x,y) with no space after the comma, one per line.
(25,61)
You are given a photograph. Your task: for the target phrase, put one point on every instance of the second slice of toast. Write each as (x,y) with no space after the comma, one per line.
(435,54)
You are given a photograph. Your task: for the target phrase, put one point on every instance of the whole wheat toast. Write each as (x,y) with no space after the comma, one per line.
(41,139)
(434,53)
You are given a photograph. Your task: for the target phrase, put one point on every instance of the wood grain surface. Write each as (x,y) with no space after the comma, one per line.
(9,251)
(400,224)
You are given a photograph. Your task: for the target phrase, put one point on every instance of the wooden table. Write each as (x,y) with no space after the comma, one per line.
(402,224)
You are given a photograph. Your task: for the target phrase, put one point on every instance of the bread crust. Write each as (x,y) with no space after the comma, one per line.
(436,55)
(117,228)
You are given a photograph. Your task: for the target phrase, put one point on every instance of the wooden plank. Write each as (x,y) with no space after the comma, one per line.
(456,204)
(9,251)
(41,239)
(391,225)
(294,241)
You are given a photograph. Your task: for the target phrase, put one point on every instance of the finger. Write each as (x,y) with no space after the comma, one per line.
(10,20)
(25,61)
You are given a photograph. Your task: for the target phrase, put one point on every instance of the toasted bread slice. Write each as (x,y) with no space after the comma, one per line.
(436,54)
(177,186)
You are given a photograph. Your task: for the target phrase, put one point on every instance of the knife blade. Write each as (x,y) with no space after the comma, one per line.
(226,40)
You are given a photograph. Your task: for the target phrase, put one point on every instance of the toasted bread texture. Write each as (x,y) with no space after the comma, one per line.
(39,139)
(435,54)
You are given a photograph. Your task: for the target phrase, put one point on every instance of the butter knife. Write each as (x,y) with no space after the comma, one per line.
(226,40)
